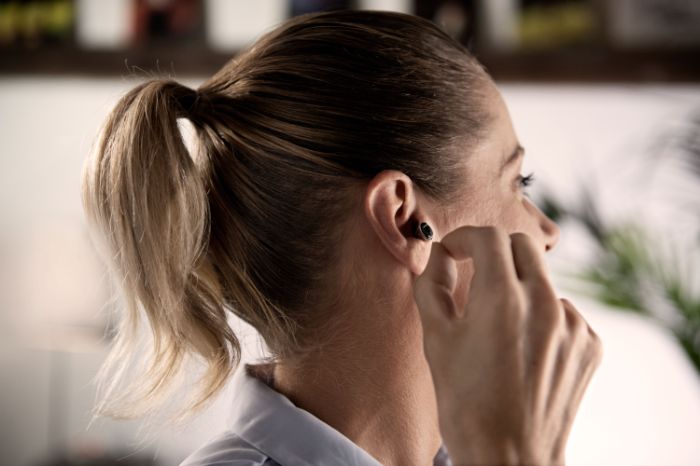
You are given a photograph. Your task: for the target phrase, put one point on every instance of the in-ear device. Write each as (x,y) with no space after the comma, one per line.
(423,231)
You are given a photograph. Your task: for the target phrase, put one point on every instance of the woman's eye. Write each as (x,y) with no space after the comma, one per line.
(525,181)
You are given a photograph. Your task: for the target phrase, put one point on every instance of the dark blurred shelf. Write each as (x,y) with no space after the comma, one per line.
(176,61)
(595,66)
(541,66)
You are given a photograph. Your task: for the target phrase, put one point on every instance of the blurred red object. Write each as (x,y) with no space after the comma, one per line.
(167,20)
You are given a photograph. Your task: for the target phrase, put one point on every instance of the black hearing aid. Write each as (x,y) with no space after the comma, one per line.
(423,231)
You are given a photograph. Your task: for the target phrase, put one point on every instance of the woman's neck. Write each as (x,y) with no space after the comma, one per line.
(373,385)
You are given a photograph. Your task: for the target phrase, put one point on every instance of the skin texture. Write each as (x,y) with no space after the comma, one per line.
(379,384)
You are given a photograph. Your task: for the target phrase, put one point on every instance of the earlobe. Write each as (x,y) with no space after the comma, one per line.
(390,206)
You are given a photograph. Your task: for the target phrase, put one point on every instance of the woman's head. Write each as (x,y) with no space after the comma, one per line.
(293,136)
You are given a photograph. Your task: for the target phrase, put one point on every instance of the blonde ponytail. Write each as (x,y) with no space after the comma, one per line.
(144,194)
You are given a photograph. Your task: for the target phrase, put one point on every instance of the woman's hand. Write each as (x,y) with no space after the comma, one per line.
(510,361)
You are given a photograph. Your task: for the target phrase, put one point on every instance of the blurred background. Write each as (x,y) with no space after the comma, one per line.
(604,96)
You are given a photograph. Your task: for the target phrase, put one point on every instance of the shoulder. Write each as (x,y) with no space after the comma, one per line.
(228,449)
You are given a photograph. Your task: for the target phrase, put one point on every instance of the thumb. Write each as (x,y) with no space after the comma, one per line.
(434,289)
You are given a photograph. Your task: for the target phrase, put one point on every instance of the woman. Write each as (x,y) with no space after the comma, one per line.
(356,197)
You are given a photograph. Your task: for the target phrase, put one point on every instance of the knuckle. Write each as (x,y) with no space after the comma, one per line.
(521,239)
(501,235)
(551,309)
(493,235)
(579,328)
(515,302)
(542,291)
(576,324)
(487,229)
(594,336)
(434,304)
(596,346)
(549,319)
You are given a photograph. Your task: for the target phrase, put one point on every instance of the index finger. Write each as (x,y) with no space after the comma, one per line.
(490,249)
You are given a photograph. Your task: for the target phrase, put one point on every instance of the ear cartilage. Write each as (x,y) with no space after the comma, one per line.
(423,231)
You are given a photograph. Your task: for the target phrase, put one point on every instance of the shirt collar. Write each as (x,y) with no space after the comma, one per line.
(262,416)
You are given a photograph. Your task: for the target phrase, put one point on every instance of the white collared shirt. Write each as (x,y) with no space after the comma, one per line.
(268,429)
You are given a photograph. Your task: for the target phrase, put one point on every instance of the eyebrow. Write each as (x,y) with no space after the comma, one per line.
(517,152)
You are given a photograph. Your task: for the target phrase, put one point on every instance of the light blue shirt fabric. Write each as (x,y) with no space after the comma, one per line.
(268,429)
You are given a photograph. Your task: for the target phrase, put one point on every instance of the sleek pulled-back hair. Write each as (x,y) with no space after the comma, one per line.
(250,222)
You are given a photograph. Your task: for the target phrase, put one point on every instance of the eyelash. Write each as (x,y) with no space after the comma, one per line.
(525,181)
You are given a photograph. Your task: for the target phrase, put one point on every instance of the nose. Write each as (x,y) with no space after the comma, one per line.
(550,230)
(548,227)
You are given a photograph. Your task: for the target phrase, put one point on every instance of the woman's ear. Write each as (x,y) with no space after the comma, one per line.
(391,208)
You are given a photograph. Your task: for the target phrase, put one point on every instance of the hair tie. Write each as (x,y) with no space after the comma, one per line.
(191,102)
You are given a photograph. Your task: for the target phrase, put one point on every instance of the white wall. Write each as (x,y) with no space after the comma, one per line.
(642,407)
